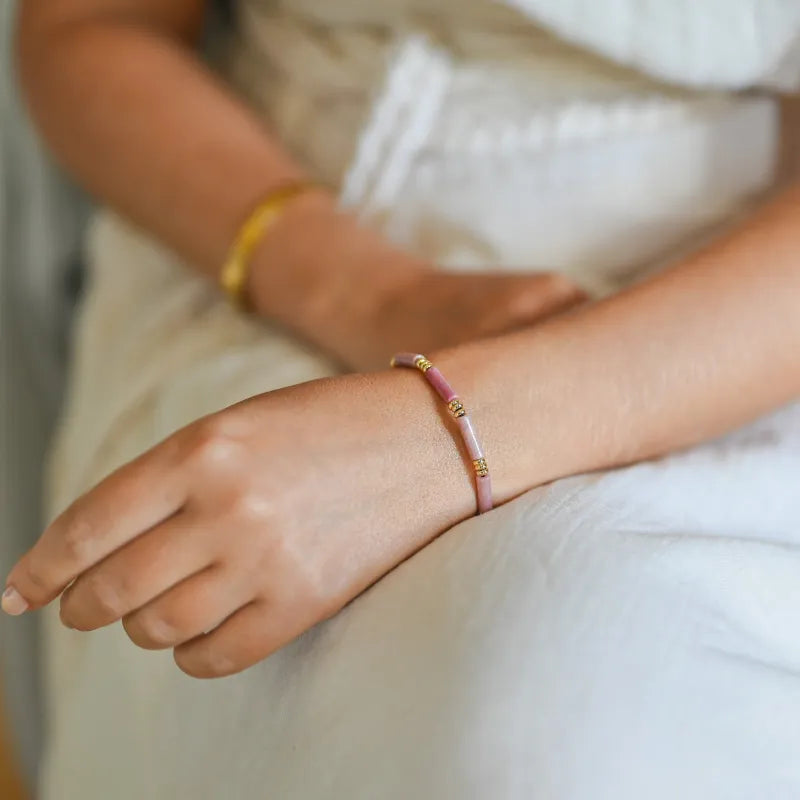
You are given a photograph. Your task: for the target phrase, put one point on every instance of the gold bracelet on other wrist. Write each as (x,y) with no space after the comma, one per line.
(236,269)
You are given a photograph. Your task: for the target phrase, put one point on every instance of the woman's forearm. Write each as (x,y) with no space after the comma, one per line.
(130,110)
(686,356)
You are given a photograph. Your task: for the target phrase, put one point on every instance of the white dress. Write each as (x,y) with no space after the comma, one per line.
(627,635)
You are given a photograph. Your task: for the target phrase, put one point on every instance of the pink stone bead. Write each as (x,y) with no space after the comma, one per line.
(405,360)
(442,387)
(470,438)
(485,501)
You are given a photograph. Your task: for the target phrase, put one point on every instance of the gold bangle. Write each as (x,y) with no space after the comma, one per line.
(236,269)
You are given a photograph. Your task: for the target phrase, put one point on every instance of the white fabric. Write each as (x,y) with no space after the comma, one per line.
(622,635)
(723,43)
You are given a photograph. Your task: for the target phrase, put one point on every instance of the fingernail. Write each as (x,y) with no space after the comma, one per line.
(13,602)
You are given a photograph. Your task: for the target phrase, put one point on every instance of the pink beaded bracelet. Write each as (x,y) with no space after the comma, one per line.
(483,481)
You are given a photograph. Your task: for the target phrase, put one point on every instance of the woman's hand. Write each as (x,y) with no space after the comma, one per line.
(246,528)
(349,291)
(436,310)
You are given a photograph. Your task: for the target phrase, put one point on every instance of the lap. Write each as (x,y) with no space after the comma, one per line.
(628,634)
(564,646)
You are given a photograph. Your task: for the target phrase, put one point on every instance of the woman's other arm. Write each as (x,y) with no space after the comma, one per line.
(127,106)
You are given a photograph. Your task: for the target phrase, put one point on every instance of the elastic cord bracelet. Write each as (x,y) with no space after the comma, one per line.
(236,269)
(483,482)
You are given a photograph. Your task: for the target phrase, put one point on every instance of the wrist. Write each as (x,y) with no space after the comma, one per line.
(280,278)
(438,479)
(322,274)
(504,385)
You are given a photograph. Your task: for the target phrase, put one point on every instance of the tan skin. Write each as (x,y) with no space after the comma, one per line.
(369,473)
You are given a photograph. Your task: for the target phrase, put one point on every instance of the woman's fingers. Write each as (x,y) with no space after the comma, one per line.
(195,606)
(140,571)
(536,297)
(131,500)
(245,638)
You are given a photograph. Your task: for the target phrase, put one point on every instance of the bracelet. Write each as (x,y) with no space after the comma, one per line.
(236,269)
(483,482)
